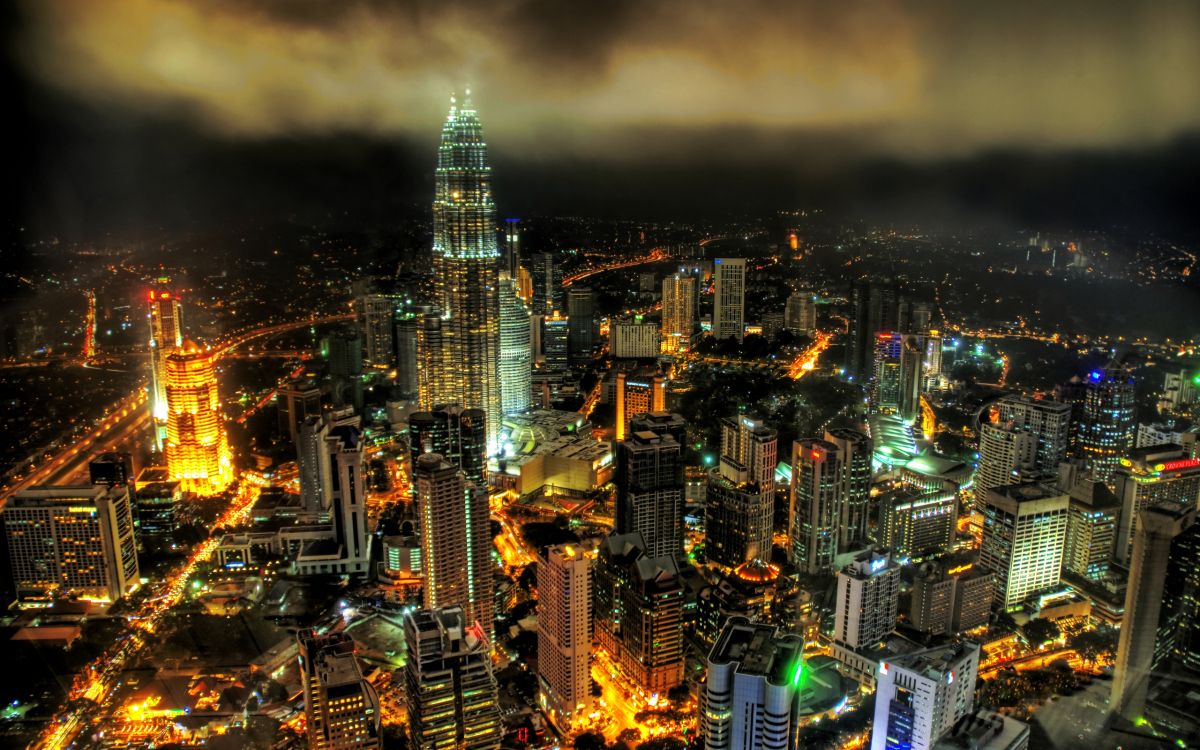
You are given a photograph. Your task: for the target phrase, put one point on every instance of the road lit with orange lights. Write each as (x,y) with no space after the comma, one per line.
(655,255)
(806,361)
(95,684)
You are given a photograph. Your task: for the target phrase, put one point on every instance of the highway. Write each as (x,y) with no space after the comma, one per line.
(122,420)
(96,684)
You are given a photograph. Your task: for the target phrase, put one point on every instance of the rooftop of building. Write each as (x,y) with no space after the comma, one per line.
(759,650)
(1026,492)
(983,730)
(1156,459)
(49,495)
(935,663)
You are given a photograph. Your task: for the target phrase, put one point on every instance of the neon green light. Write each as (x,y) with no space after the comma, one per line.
(799,671)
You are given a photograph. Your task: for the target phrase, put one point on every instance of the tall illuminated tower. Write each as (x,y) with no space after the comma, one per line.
(166,334)
(1108,421)
(516,352)
(196,447)
(467,260)
(678,312)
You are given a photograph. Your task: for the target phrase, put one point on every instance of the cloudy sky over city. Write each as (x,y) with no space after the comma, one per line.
(808,91)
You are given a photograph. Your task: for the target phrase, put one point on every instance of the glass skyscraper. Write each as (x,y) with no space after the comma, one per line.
(466,263)
(516,353)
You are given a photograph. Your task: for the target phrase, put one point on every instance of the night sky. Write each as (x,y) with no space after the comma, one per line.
(143,115)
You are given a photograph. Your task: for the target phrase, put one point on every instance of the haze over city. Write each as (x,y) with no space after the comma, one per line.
(621,376)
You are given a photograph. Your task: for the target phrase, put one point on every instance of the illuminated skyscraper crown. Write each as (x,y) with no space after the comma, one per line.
(464,216)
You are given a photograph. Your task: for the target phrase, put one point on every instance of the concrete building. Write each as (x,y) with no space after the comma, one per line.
(633,338)
(71,541)
(1148,476)
(1092,522)
(915,522)
(985,730)
(753,692)
(581,324)
(456,434)
(639,613)
(729,298)
(800,313)
(341,708)
(449,689)
(739,511)
(565,634)
(678,312)
(1024,530)
(1003,451)
(456,541)
(649,480)
(636,395)
(818,494)
(868,595)
(1149,605)
(920,697)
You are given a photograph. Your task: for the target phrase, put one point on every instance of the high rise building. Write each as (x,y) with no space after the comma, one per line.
(432,387)
(456,541)
(639,613)
(818,493)
(449,689)
(912,374)
(516,352)
(1181,389)
(1148,476)
(636,395)
(873,308)
(196,447)
(1106,426)
(408,324)
(1003,450)
(951,595)
(678,312)
(71,541)
(581,324)
(341,708)
(166,335)
(753,691)
(800,313)
(565,634)
(1156,597)
(740,509)
(919,697)
(454,433)
(296,401)
(512,248)
(343,350)
(547,278)
(855,451)
(111,469)
(633,338)
(729,298)
(1092,520)
(918,522)
(556,338)
(375,315)
(649,480)
(868,596)
(330,466)
(899,369)
(1048,421)
(466,261)
(1024,530)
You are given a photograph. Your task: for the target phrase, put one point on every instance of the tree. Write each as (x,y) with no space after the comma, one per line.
(679,693)
(589,741)
(1040,631)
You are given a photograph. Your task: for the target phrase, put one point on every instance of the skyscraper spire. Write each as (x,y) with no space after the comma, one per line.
(466,264)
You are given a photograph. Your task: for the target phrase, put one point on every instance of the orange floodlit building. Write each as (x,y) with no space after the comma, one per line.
(196,447)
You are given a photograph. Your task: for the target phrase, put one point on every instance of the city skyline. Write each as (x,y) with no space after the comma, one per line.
(770,376)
